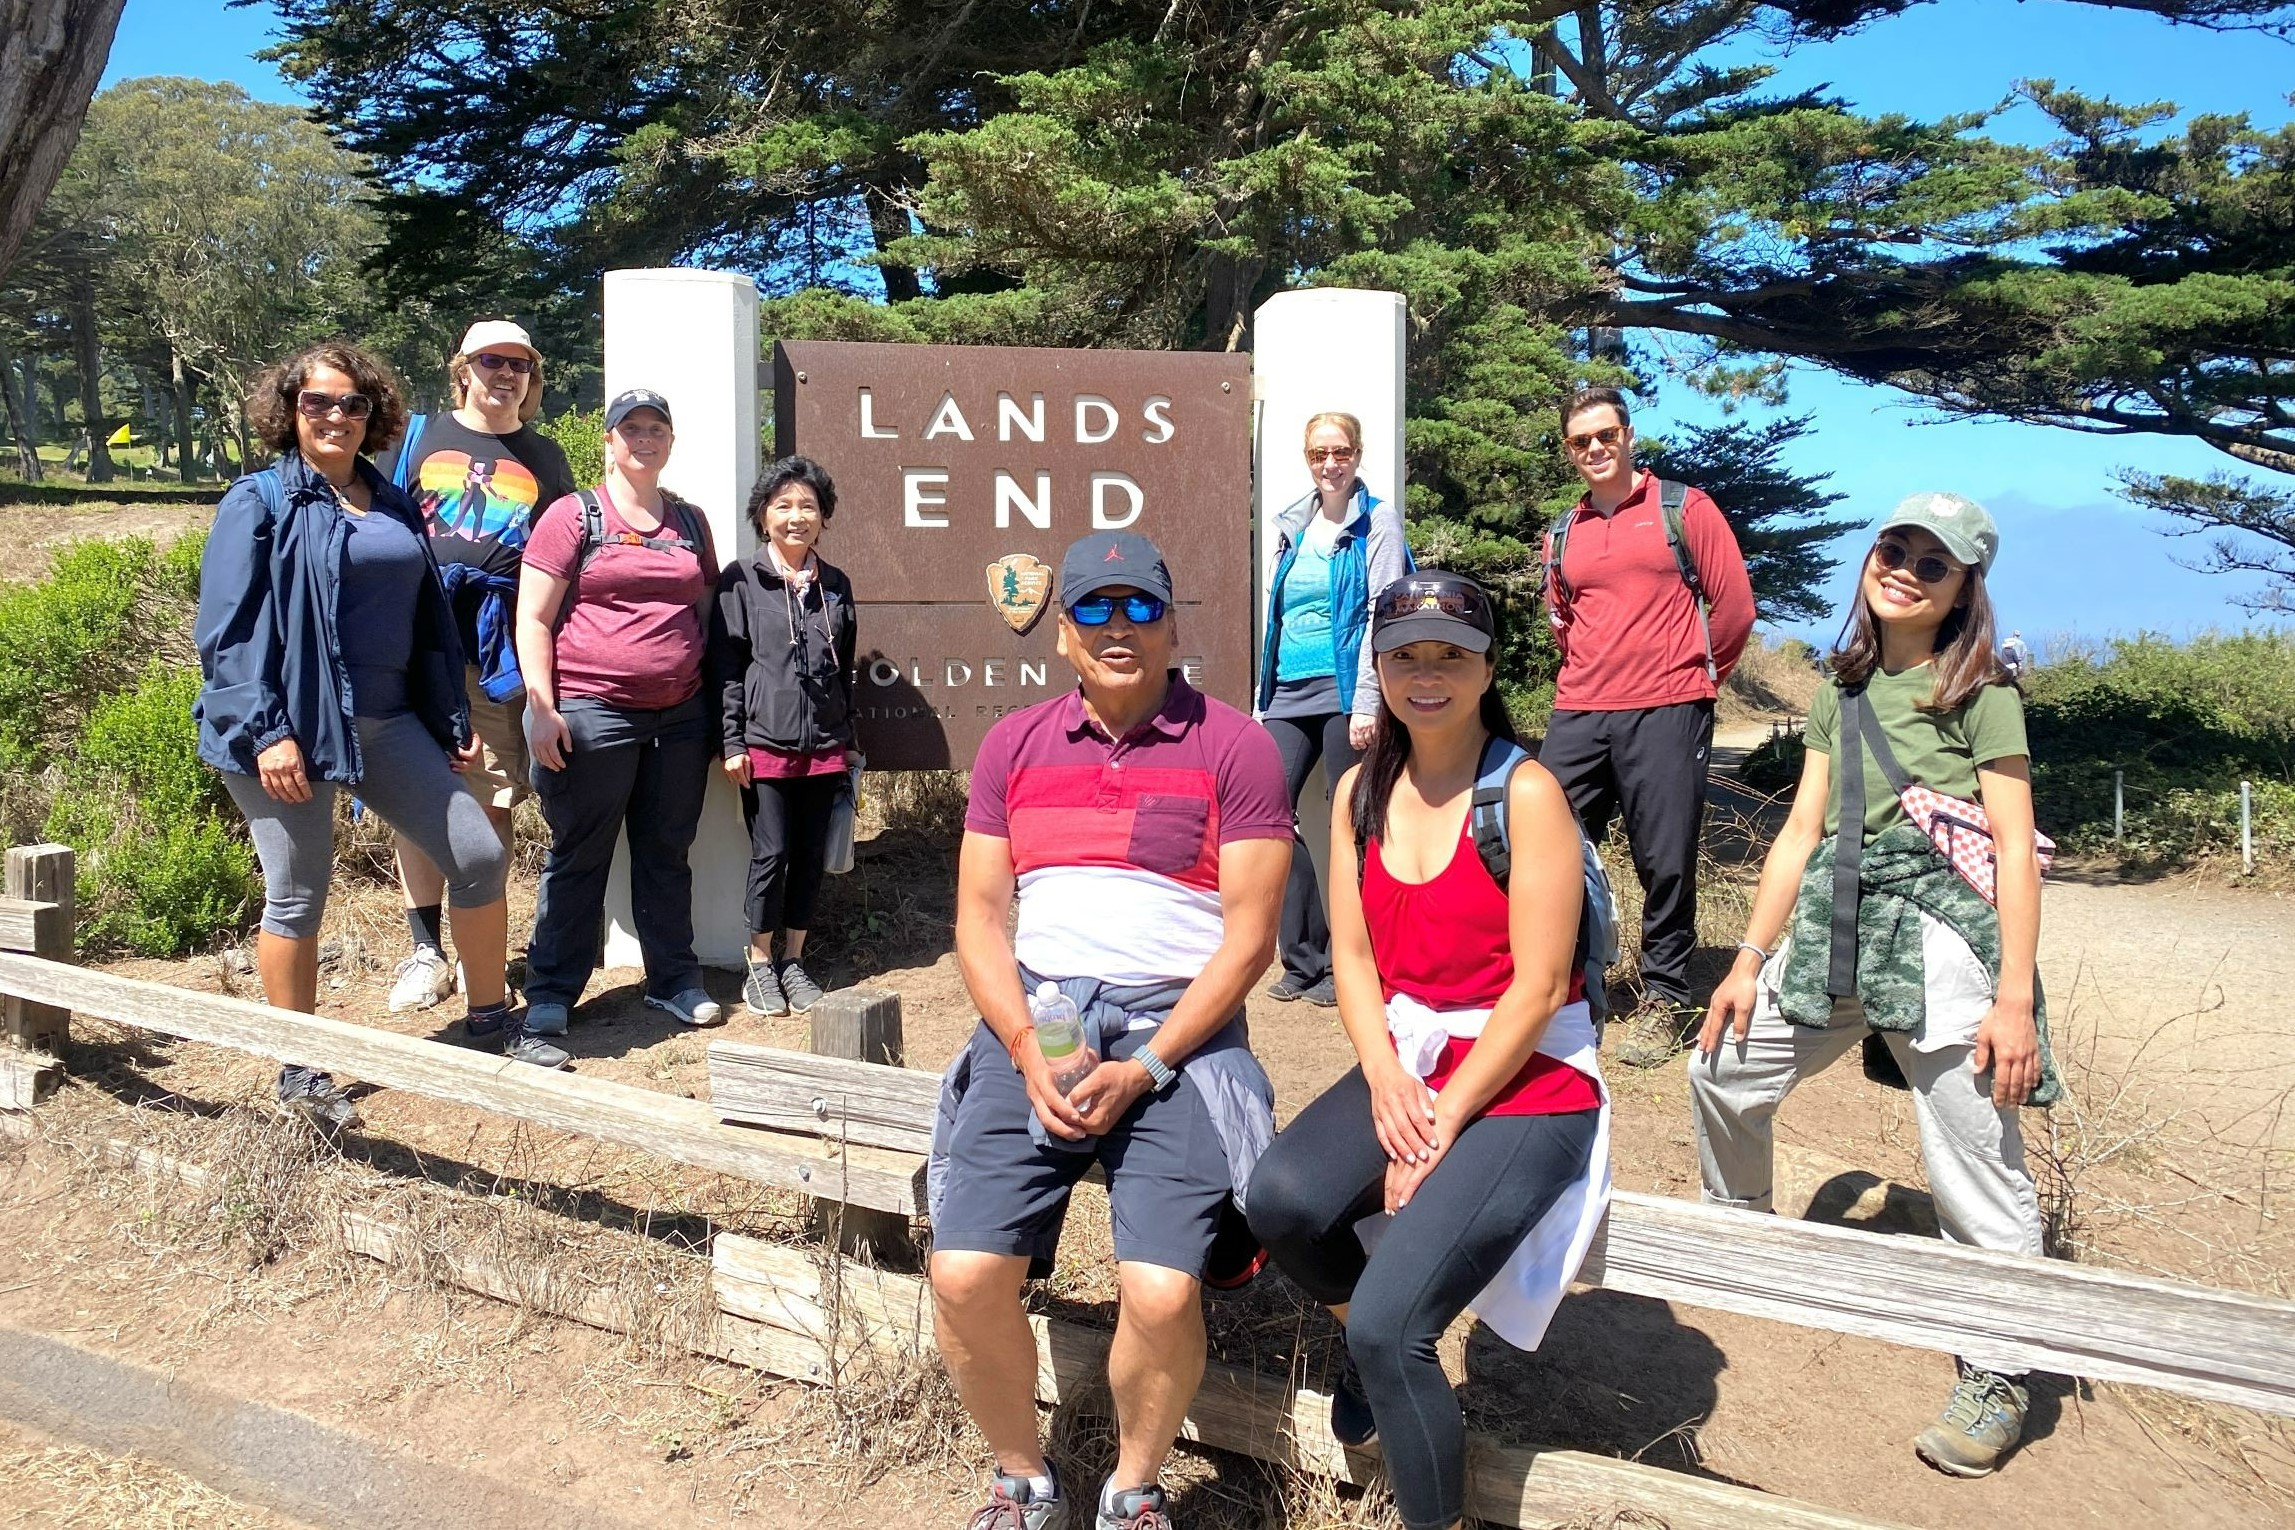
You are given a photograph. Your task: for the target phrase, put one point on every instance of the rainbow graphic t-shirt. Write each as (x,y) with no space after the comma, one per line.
(479,494)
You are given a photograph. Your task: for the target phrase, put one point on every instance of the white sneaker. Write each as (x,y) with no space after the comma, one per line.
(421,980)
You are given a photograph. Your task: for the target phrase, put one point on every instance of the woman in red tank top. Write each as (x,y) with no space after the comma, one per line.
(1453,1123)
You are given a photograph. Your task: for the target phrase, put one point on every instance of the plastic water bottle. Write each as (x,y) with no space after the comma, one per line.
(1060,1037)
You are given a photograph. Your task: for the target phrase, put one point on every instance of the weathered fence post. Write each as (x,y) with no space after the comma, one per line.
(39,881)
(2247,827)
(2119,803)
(862,1024)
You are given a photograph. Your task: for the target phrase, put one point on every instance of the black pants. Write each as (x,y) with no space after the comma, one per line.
(788,841)
(1305,934)
(630,771)
(1324,1173)
(1651,764)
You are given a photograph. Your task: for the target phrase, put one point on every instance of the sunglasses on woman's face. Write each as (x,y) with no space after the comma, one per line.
(521,365)
(1099,610)
(1928,569)
(1406,596)
(1322,454)
(1583,441)
(317,405)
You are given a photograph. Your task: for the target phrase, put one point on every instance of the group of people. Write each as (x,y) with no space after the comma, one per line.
(1150,838)
(429,613)
(442,629)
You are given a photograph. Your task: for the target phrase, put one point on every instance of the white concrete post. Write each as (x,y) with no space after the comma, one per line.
(1316,349)
(692,337)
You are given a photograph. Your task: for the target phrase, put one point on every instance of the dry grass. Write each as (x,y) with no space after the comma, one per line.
(49,1486)
(1773,676)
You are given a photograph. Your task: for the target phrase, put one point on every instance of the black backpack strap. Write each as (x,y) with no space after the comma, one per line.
(1673,501)
(1557,540)
(1883,755)
(1848,844)
(593,529)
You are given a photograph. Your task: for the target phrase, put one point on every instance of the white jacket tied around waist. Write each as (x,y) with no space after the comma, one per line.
(1521,1299)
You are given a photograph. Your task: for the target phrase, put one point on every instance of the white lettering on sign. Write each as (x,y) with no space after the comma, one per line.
(948,420)
(1009,418)
(1031,671)
(1193,670)
(922,489)
(869,431)
(992,672)
(954,674)
(1102,518)
(1088,405)
(957,672)
(883,672)
(1038,510)
(1158,413)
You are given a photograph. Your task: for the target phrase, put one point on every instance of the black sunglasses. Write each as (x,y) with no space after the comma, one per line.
(1099,610)
(1452,597)
(1929,569)
(520,365)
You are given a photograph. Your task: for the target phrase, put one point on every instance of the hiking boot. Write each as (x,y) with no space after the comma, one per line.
(1351,1421)
(1981,1422)
(761,990)
(1654,1033)
(1323,995)
(1287,987)
(312,1096)
(420,981)
(1012,1506)
(803,993)
(1134,1509)
(691,1006)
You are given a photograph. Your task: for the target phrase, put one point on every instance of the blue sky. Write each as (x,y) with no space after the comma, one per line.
(2074,558)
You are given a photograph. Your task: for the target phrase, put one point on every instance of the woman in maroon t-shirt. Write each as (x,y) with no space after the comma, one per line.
(612,621)
(1456,1122)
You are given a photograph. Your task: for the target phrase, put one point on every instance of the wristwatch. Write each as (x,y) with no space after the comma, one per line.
(1159,1072)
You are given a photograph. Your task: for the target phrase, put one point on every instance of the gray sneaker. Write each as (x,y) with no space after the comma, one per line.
(761,991)
(313,1097)
(1981,1423)
(1012,1506)
(1135,1509)
(546,1019)
(1655,1033)
(691,1006)
(803,992)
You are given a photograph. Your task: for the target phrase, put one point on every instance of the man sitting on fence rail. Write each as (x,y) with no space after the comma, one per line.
(1146,830)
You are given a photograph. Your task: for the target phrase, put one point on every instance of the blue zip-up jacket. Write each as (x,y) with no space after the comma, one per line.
(1371,553)
(498,673)
(269,587)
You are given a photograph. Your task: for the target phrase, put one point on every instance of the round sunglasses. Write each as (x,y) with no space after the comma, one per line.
(1099,610)
(1928,569)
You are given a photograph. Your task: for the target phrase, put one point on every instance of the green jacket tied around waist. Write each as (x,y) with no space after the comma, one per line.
(1901,878)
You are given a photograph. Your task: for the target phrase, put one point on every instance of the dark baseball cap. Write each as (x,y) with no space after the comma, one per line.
(1432,607)
(1108,558)
(632,399)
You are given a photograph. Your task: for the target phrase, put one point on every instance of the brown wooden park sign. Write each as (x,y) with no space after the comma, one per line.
(963,473)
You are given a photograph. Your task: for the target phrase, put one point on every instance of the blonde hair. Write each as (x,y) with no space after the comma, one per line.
(1346,422)
(457,383)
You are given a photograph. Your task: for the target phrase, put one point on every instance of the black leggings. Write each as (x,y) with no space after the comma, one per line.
(1304,937)
(1325,1172)
(788,842)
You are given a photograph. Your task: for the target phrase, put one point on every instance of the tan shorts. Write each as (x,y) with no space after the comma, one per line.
(502,772)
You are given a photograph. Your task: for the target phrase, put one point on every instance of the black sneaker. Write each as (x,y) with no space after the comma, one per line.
(803,993)
(1287,987)
(507,1034)
(1351,1422)
(1324,995)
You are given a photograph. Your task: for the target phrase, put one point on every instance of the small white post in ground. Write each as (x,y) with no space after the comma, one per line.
(1313,350)
(2119,803)
(2246,828)
(692,337)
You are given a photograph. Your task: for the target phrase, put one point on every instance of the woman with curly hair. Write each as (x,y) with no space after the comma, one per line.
(330,659)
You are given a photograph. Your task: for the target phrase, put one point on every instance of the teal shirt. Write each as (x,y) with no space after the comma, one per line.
(1306,650)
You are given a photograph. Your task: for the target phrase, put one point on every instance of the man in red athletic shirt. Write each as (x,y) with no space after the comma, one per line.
(1633,706)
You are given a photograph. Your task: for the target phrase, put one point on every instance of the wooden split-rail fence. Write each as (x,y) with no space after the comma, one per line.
(848,1126)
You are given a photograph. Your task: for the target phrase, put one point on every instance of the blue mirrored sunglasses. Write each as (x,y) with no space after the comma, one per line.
(1099,610)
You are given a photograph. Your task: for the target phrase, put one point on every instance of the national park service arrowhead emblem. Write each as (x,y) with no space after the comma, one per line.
(1019,587)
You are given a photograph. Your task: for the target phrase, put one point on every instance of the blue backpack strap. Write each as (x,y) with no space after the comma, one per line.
(1486,818)
(406,458)
(273,489)
(1673,499)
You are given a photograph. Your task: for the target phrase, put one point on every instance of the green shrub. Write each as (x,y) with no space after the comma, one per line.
(582,433)
(1774,766)
(146,742)
(153,885)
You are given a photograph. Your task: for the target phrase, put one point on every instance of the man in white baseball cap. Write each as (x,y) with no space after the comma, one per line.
(481,475)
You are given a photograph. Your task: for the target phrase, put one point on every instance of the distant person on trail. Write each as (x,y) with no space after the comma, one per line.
(1335,548)
(781,653)
(1863,923)
(1475,1112)
(2015,656)
(1651,608)
(329,659)
(1145,830)
(478,474)
(613,625)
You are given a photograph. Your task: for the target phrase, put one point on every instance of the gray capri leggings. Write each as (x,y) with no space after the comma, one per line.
(408,782)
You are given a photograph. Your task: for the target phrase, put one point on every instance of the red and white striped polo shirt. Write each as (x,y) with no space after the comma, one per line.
(1116,844)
